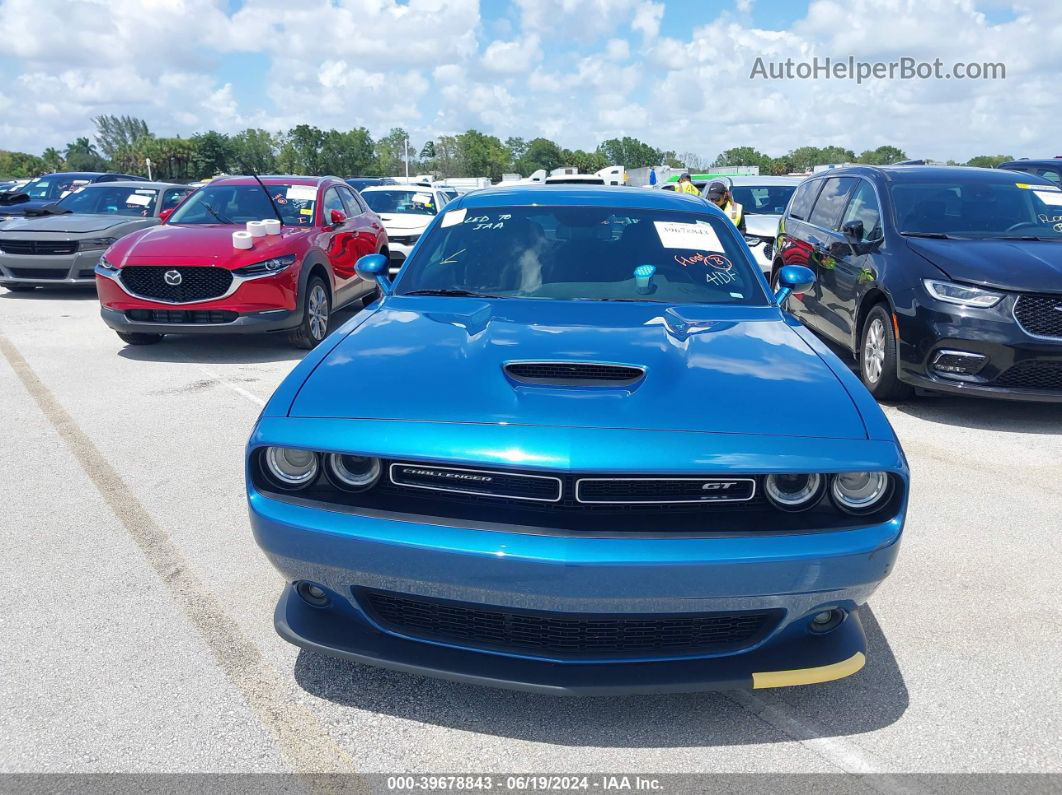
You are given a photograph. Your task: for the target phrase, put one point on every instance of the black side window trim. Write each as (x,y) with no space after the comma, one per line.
(816,186)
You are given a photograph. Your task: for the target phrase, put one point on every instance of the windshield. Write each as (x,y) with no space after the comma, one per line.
(583,253)
(978,209)
(763,199)
(53,187)
(237,204)
(400,201)
(138,202)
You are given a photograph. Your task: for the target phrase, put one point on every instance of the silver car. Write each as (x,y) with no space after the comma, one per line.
(763,200)
(61,244)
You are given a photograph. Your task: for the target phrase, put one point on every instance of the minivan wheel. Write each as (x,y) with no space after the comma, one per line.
(139,338)
(877,357)
(316,311)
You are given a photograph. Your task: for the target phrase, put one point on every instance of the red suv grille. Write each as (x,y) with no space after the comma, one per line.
(196,283)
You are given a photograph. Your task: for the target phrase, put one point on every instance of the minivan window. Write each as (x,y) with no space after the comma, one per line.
(831,201)
(864,207)
(804,199)
(973,207)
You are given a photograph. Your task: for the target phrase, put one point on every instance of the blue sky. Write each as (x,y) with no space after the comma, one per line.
(675,73)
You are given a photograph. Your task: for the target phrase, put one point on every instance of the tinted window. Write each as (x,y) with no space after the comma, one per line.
(585,253)
(332,202)
(1052,174)
(237,204)
(864,207)
(172,197)
(831,201)
(401,201)
(350,202)
(103,200)
(804,198)
(763,200)
(974,207)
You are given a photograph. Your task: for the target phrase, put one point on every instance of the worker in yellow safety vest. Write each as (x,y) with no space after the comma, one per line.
(719,195)
(685,186)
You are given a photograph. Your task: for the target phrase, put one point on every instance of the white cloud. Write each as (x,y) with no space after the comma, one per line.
(617,50)
(647,19)
(579,19)
(512,57)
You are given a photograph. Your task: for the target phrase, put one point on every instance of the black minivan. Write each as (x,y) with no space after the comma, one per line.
(944,278)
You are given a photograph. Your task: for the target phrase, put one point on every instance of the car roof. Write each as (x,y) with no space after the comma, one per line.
(766,180)
(133,183)
(1048,162)
(583,195)
(403,186)
(273,179)
(902,174)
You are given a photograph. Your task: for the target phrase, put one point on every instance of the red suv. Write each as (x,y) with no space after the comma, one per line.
(187,275)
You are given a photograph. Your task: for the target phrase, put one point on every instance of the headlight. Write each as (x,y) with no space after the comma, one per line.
(95,243)
(860,492)
(269,267)
(960,294)
(352,472)
(290,467)
(104,265)
(794,492)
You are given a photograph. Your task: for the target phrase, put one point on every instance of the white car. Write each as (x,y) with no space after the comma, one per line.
(763,200)
(406,211)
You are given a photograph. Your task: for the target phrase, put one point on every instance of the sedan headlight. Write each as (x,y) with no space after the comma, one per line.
(352,472)
(794,492)
(95,243)
(289,467)
(268,267)
(860,492)
(960,294)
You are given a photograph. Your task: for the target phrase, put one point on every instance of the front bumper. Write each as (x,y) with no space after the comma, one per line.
(57,270)
(250,323)
(993,333)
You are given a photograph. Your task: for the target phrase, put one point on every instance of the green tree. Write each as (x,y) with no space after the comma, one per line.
(836,154)
(300,152)
(82,155)
(446,162)
(391,153)
(253,150)
(171,158)
(882,156)
(988,161)
(21,164)
(481,155)
(517,148)
(586,162)
(53,159)
(539,153)
(347,154)
(628,152)
(741,156)
(213,154)
(114,133)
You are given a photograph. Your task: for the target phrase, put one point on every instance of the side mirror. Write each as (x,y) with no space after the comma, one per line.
(793,279)
(853,230)
(375,266)
(164,216)
(336,217)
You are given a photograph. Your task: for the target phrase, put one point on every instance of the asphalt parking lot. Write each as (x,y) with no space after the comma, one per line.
(137,611)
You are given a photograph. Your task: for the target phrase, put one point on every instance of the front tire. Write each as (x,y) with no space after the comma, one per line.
(139,338)
(316,311)
(877,357)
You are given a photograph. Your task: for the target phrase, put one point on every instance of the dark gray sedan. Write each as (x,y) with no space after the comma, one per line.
(61,243)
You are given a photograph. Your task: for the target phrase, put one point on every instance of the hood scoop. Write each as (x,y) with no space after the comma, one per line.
(578,374)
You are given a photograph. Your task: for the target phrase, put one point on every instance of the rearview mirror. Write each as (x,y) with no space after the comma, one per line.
(793,279)
(375,266)
(336,217)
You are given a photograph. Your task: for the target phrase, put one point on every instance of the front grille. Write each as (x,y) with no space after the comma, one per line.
(1031,374)
(86,273)
(37,247)
(573,373)
(186,316)
(39,273)
(407,240)
(197,283)
(489,483)
(567,634)
(632,491)
(1040,314)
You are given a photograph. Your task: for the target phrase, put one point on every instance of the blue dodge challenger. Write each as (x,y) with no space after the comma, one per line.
(579,447)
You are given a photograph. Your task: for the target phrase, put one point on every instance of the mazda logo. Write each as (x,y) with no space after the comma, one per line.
(173,278)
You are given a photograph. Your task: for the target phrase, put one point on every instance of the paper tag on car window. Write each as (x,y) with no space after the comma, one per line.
(700,237)
(305,211)
(139,198)
(1054,198)
(301,193)
(453,217)
(422,198)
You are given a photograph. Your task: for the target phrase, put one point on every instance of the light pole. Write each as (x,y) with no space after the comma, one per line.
(405,144)
(147,160)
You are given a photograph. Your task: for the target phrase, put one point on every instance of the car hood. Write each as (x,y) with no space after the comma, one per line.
(394,222)
(19,208)
(198,244)
(1023,265)
(761,225)
(72,223)
(712,369)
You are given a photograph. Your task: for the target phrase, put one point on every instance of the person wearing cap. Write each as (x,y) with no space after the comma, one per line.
(719,195)
(685,186)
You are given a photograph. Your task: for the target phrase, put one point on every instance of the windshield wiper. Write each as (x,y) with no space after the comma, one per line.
(933,235)
(48,209)
(456,293)
(216,214)
(1021,237)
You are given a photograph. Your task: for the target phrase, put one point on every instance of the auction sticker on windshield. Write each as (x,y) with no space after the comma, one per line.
(1054,198)
(301,193)
(674,234)
(453,217)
